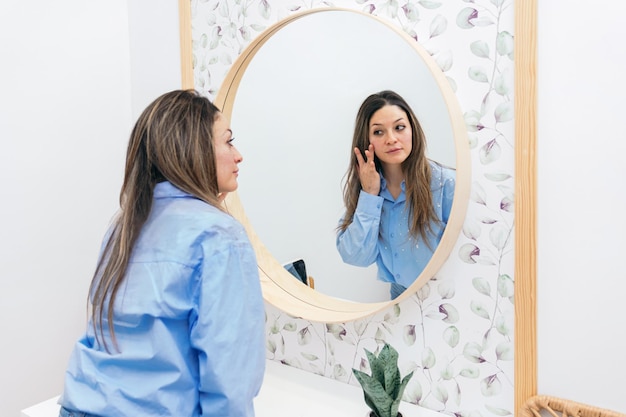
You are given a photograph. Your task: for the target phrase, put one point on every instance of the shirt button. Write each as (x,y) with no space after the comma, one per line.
(392,235)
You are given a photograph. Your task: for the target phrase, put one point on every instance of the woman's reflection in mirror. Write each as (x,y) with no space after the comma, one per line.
(177,312)
(397,201)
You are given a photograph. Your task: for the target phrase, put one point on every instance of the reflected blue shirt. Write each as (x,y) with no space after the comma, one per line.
(379,231)
(189,322)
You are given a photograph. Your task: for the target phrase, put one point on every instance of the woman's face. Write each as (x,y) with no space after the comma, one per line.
(390,133)
(227,157)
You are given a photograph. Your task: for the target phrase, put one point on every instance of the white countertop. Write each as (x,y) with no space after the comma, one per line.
(289,391)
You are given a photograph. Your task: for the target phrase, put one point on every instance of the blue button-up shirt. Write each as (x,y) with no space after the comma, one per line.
(379,231)
(189,322)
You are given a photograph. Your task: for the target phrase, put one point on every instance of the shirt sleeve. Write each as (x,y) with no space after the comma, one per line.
(358,244)
(449,183)
(227,330)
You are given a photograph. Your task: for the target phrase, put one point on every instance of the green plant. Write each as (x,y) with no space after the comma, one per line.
(383,389)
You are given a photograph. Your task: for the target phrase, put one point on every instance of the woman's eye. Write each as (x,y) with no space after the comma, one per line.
(377,132)
(400,127)
(230,141)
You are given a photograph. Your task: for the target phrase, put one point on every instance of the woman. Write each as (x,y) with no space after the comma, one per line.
(397,201)
(177,318)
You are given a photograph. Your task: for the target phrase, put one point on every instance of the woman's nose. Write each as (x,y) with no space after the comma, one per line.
(391,138)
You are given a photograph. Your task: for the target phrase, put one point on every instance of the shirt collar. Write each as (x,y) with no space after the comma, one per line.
(166,189)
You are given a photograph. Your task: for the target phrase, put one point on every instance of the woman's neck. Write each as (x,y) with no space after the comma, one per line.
(394,177)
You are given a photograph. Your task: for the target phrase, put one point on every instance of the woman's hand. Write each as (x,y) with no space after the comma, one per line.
(369,177)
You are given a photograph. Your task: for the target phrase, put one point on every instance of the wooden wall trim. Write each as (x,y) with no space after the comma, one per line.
(186,54)
(525,201)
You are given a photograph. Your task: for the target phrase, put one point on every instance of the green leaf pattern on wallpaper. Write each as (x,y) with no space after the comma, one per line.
(455,333)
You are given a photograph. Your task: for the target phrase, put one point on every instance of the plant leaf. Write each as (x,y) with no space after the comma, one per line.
(478,74)
(336,330)
(428,358)
(490,152)
(440,392)
(452,336)
(444,60)
(504,351)
(429,4)
(490,386)
(504,43)
(471,229)
(376,367)
(497,176)
(480,48)
(290,327)
(411,12)
(482,285)
(504,112)
(502,326)
(409,334)
(389,357)
(304,336)
(498,411)
(473,353)
(373,392)
(499,236)
(446,290)
(470,372)
(264,9)
(270,345)
(479,309)
(438,26)
(505,286)
(451,313)
(465,17)
(468,252)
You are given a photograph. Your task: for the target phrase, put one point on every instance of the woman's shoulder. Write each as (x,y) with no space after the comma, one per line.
(440,172)
(191,217)
(197,212)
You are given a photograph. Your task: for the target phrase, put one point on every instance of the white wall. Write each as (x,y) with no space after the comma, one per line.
(65,117)
(582,201)
(154,50)
(65,114)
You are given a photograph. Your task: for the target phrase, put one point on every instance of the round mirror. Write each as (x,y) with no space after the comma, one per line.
(292,98)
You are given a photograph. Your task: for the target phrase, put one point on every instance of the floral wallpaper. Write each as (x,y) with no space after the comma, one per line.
(457,331)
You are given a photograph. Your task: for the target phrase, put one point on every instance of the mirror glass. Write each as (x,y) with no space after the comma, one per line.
(293,116)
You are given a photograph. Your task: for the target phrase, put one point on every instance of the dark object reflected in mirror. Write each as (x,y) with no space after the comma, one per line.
(297,268)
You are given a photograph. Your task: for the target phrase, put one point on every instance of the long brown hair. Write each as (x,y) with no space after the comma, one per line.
(172,140)
(416,167)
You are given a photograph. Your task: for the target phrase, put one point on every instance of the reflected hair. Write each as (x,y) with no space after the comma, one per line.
(416,167)
(171,141)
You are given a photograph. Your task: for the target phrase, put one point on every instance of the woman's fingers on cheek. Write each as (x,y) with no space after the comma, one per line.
(359,158)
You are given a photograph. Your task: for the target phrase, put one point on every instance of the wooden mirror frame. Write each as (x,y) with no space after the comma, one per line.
(525,185)
(279,287)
